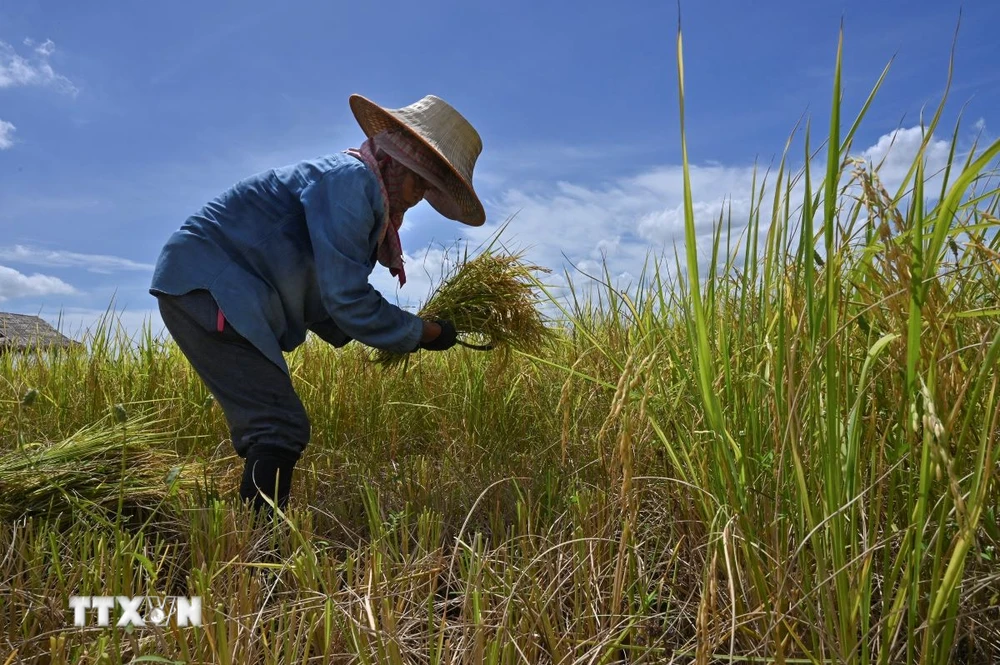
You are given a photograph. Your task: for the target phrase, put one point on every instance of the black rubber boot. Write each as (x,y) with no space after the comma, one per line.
(268,472)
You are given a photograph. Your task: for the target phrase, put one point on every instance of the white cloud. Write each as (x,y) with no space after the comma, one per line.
(6,130)
(896,151)
(97,263)
(44,49)
(980,125)
(32,70)
(623,223)
(14,284)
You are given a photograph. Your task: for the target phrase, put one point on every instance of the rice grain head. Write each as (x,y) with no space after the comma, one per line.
(492,300)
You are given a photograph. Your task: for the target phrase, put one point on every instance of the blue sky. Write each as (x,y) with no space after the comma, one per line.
(118,121)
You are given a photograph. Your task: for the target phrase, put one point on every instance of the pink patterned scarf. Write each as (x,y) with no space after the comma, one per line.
(390,174)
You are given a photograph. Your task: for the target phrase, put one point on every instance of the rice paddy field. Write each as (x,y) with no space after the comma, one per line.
(779,446)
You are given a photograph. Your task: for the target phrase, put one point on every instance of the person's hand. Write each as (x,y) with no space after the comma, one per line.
(443,340)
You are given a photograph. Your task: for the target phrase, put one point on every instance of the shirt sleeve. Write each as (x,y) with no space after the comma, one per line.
(329,333)
(340,218)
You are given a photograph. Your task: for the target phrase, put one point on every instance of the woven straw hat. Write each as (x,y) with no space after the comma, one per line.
(448,135)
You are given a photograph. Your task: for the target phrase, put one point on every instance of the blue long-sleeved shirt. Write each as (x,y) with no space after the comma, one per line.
(290,250)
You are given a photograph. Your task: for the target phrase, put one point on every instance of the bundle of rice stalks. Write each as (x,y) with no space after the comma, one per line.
(492,301)
(106,464)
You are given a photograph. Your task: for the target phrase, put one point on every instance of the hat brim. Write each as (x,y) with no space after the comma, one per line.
(464,205)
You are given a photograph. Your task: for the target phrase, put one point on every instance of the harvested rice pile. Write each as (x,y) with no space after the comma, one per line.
(492,301)
(100,465)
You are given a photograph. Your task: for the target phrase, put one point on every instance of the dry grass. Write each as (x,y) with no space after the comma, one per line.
(106,465)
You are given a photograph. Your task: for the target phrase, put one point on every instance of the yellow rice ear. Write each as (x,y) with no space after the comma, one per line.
(492,297)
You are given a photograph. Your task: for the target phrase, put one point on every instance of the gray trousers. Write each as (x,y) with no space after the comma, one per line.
(261,406)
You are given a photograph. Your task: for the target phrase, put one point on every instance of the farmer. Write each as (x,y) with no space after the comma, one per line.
(290,250)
